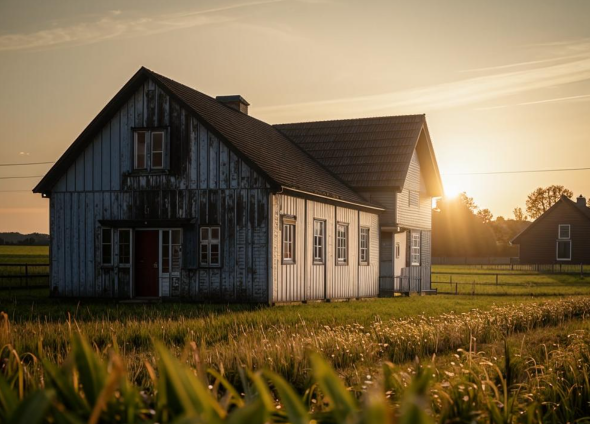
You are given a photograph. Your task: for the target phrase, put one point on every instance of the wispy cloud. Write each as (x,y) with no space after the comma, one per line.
(537,102)
(117,24)
(442,96)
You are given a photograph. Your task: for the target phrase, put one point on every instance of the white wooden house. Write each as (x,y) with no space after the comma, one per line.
(171,193)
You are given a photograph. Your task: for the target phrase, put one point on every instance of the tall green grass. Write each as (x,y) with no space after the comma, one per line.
(551,385)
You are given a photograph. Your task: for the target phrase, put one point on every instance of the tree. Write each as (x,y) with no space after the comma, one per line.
(519,214)
(468,202)
(485,215)
(540,200)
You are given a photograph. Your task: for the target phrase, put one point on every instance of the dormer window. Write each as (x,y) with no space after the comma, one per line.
(150,151)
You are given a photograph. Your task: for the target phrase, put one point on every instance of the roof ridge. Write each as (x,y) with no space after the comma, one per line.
(368,118)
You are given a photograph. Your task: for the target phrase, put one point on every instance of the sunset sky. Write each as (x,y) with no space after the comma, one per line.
(504,85)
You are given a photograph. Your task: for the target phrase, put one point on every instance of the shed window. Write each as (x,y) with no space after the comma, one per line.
(106,240)
(289,240)
(341,244)
(210,246)
(124,247)
(149,149)
(564,250)
(319,237)
(397,249)
(364,246)
(415,252)
(564,232)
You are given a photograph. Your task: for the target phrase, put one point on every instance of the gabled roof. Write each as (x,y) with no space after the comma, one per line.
(270,152)
(369,152)
(563,201)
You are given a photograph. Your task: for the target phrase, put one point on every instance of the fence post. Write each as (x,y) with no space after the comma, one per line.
(496,279)
(27,275)
(456,289)
(473,288)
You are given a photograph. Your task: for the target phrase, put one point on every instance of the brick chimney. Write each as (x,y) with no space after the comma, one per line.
(581,201)
(236,102)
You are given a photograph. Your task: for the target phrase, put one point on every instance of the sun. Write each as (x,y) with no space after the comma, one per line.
(452,191)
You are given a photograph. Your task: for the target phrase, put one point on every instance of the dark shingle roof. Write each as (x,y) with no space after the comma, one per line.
(368,152)
(277,157)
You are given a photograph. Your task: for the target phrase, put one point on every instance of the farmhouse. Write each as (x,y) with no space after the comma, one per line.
(560,235)
(171,193)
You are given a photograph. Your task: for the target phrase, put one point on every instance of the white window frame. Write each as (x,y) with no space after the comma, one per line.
(289,236)
(103,244)
(148,149)
(364,251)
(170,247)
(415,249)
(341,247)
(207,244)
(557,250)
(319,241)
(569,232)
(119,244)
(145,150)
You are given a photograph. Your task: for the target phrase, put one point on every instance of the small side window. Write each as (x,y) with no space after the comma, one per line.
(319,247)
(157,150)
(210,246)
(397,250)
(341,244)
(415,252)
(364,246)
(106,237)
(289,240)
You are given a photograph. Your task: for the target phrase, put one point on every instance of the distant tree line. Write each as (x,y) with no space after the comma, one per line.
(18,239)
(461,228)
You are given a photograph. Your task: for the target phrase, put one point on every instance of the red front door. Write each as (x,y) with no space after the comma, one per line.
(146,264)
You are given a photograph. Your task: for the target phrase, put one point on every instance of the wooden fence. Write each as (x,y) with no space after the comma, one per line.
(415,279)
(15,276)
(539,268)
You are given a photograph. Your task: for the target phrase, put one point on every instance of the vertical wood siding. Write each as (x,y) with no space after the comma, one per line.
(207,182)
(413,216)
(305,281)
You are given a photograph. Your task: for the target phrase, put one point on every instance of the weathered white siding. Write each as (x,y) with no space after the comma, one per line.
(305,280)
(418,217)
(207,182)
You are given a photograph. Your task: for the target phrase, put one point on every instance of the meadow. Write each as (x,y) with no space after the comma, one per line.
(444,358)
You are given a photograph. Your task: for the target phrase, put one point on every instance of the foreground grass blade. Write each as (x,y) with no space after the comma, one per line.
(343,404)
(296,411)
(90,368)
(184,393)
(33,409)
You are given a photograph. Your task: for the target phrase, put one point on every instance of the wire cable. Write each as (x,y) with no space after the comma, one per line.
(528,171)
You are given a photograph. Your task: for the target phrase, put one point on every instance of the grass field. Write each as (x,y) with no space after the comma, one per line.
(506,282)
(358,338)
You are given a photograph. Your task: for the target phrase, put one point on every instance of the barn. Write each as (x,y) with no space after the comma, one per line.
(170,193)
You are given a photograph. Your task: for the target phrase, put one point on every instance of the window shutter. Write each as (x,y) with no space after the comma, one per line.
(189,248)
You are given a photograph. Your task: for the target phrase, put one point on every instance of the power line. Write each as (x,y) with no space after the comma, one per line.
(28,176)
(528,171)
(22,164)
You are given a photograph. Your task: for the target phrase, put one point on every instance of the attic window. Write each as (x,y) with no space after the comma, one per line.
(564,232)
(150,149)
